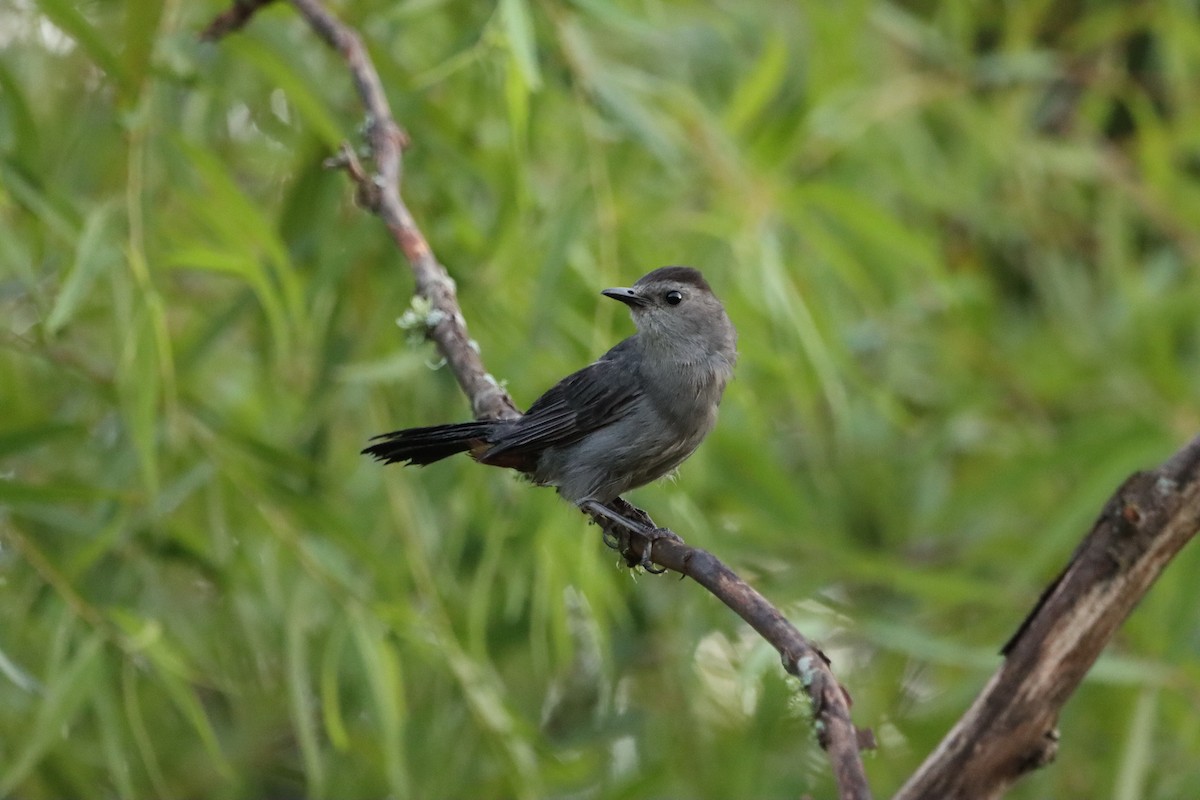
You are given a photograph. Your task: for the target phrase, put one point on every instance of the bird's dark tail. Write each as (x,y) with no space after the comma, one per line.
(423,446)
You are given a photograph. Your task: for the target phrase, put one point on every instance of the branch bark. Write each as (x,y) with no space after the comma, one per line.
(1011,727)
(381,194)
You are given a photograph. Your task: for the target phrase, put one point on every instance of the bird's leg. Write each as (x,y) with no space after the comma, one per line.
(620,519)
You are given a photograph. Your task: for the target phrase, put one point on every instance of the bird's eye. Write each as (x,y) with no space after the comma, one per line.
(674,298)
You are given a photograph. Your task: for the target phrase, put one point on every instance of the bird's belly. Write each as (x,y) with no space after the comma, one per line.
(620,457)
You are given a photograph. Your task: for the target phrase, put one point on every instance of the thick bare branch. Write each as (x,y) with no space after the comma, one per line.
(1010,729)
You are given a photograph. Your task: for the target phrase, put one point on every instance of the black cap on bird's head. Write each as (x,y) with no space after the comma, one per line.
(686,275)
(665,285)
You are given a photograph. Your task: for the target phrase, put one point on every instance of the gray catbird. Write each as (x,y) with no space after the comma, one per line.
(629,418)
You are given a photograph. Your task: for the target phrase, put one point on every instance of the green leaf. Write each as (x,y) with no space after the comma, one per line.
(141,25)
(286,73)
(331,704)
(1138,757)
(518,32)
(53,213)
(516,95)
(20,439)
(385,682)
(250,270)
(175,675)
(300,695)
(139,383)
(18,129)
(117,762)
(66,16)
(65,693)
(21,494)
(96,252)
(760,85)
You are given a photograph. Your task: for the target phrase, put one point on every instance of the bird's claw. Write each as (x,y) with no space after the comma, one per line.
(618,530)
(610,539)
(645,561)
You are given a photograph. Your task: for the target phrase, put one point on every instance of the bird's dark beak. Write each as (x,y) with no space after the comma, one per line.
(629,297)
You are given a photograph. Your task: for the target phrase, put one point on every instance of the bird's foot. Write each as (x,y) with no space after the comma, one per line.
(646,560)
(620,522)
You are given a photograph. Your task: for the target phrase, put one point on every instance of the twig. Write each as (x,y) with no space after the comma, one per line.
(232,19)
(1010,729)
(381,194)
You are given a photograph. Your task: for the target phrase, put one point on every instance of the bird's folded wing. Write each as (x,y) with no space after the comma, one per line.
(580,403)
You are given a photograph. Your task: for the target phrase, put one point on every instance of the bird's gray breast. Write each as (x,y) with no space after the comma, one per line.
(675,411)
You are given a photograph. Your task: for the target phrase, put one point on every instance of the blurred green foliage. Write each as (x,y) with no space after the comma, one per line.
(959,240)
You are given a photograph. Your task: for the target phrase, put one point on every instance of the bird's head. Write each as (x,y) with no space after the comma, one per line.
(676,311)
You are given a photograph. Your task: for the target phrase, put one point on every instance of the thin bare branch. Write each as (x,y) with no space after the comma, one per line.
(386,140)
(802,658)
(830,702)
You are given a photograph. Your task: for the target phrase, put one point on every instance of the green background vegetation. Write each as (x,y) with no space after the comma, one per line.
(959,241)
